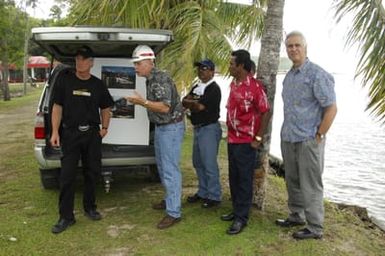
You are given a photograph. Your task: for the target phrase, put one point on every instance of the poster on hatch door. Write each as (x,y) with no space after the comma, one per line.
(129,124)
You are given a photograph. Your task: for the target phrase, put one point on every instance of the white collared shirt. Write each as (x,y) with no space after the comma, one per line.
(200,89)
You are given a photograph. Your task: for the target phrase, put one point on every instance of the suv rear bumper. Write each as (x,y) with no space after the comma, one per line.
(143,157)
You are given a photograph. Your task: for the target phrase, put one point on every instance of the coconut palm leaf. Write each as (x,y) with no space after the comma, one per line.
(368,31)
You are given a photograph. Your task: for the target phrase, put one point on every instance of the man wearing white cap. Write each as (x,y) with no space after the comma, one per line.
(165,110)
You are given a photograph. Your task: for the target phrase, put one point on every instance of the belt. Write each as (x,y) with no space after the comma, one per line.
(84,128)
(202,124)
(179,119)
(81,128)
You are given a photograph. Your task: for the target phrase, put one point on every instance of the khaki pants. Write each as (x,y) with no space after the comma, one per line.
(304,163)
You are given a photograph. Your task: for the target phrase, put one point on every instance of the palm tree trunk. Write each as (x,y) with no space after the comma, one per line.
(4,82)
(267,72)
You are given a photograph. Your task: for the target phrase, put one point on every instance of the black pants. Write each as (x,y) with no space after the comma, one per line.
(78,145)
(242,163)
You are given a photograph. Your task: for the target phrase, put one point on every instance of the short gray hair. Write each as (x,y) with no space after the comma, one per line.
(296,33)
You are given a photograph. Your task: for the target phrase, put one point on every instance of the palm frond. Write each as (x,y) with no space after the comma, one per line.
(201,28)
(368,31)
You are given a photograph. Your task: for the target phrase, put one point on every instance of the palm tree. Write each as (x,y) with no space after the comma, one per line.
(202,29)
(367,31)
(267,72)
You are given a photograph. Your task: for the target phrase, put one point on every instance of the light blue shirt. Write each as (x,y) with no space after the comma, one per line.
(306,92)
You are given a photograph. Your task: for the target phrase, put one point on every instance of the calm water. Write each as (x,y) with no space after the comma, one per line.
(355,150)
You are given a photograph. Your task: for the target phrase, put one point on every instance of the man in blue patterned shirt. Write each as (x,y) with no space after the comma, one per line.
(309,110)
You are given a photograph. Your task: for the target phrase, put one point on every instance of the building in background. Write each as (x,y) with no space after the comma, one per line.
(38,69)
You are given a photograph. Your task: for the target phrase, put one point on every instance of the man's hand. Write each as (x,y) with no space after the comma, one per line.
(103,132)
(136,98)
(188,102)
(256,144)
(193,105)
(319,138)
(55,139)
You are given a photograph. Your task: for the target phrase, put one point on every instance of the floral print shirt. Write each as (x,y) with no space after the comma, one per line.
(160,87)
(246,103)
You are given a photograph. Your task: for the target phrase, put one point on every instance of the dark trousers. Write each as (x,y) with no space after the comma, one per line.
(241,159)
(84,146)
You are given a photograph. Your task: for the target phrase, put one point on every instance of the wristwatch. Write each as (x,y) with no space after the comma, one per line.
(320,135)
(258,138)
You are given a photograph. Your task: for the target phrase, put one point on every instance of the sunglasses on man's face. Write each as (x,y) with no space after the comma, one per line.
(203,68)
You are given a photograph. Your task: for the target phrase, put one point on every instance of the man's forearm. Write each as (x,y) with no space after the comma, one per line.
(265,119)
(56,117)
(156,106)
(193,105)
(329,114)
(105,115)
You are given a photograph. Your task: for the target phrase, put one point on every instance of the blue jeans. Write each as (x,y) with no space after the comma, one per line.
(168,141)
(205,151)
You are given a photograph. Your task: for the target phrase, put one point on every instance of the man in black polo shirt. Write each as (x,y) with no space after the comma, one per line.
(203,101)
(78,97)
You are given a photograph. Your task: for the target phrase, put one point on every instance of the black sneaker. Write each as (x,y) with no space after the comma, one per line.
(62,225)
(306,234)
(93,215)
(208,203)
(287,223)
(194,198)
(228,217)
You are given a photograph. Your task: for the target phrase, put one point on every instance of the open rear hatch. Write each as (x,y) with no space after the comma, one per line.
(109,45)
(105,42)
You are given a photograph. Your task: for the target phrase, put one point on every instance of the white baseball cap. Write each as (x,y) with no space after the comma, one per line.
(143,52)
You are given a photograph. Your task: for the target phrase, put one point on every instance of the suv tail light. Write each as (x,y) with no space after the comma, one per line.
(39,126)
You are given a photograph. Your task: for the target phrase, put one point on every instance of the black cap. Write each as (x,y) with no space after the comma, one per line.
(207,63)
(85,51)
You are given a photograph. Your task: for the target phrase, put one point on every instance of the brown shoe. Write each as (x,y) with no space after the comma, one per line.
(159,206)
(167,222)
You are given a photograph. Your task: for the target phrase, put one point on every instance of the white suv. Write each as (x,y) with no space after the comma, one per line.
(129,144)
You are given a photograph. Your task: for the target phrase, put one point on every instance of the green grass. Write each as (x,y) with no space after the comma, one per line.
(129,225)
(32,95)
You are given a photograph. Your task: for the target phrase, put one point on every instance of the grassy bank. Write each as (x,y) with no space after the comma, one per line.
(129,225)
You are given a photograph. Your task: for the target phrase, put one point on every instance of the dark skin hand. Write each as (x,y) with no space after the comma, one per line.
(256,144)
(193,105)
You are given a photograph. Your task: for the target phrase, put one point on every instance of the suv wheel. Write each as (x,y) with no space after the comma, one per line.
(50,178)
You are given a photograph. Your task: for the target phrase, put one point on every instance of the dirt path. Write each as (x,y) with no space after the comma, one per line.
(16,129)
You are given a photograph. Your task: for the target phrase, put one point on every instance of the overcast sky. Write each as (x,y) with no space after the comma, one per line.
(325,38)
